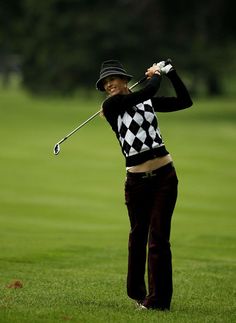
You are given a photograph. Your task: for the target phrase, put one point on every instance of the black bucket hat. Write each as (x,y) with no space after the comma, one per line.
(108,68)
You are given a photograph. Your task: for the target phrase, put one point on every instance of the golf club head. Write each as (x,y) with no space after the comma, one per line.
(56,149)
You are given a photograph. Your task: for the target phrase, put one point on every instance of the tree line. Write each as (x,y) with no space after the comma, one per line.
(58,45)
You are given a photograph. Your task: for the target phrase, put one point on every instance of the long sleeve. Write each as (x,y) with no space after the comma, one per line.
(181,101)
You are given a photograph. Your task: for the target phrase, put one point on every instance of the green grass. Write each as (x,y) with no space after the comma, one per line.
(63,222)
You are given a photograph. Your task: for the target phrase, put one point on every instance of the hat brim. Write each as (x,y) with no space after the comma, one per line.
(99,83)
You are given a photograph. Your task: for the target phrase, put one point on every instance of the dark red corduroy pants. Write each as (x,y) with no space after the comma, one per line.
(150,199)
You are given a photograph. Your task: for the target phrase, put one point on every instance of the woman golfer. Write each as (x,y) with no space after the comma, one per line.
(151,184)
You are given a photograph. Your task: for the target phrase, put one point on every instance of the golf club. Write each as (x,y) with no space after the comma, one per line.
(57,148)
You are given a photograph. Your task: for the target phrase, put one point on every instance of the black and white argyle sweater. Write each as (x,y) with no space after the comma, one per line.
(133,119)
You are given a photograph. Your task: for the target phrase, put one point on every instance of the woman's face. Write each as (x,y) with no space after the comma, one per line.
(115,85)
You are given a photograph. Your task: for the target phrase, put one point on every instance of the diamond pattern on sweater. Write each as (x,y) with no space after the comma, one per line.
(138,129)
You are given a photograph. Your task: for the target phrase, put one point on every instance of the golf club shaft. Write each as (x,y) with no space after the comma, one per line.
(80,126)
(139,82)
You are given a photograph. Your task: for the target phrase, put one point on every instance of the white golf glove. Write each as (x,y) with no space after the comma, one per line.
(160,64)
(166,69)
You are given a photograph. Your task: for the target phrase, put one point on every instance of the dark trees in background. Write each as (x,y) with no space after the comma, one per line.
(61,43)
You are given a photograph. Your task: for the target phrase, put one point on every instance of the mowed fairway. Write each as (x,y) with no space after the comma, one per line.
(63,221)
